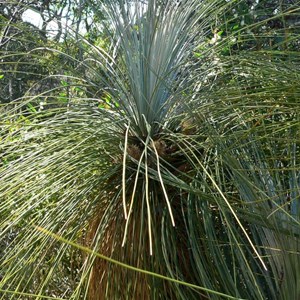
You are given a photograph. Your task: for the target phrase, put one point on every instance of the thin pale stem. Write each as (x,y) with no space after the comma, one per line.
(124,172)
(162,185)
(132,198)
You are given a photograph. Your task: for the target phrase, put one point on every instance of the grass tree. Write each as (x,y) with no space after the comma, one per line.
(161,167)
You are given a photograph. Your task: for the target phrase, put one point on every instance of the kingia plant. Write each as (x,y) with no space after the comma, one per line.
(158,168)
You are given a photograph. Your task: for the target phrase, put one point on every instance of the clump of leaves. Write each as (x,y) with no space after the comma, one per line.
(180,165)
